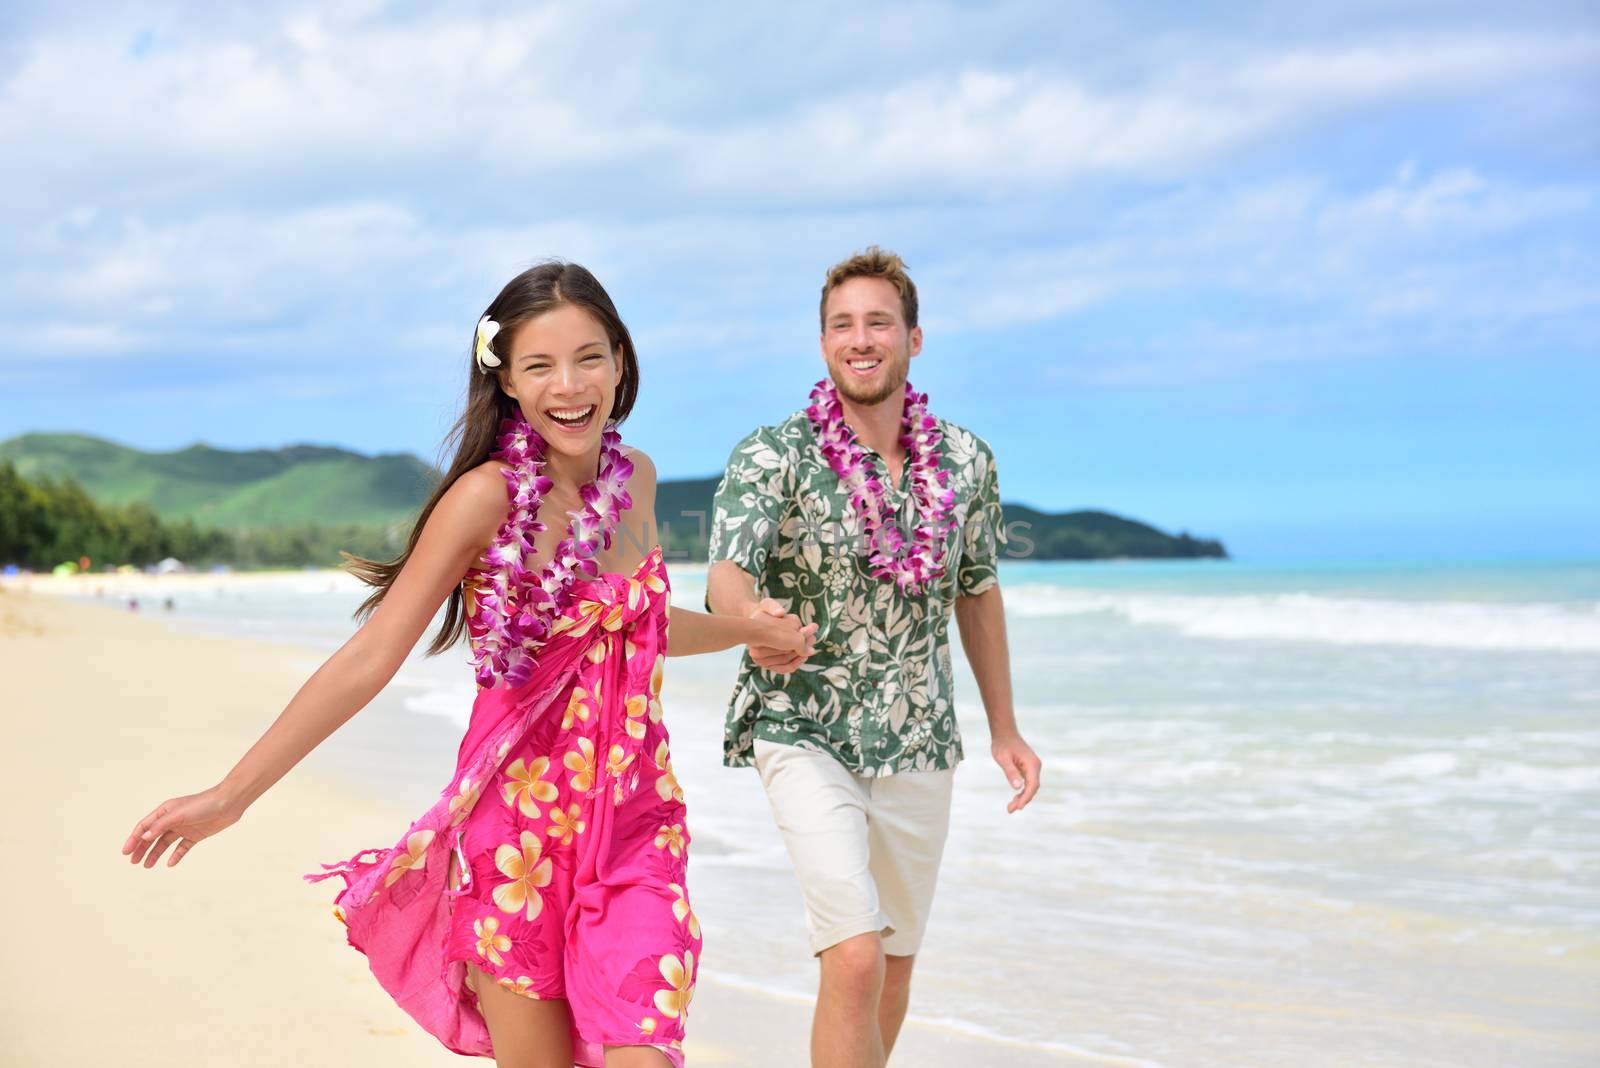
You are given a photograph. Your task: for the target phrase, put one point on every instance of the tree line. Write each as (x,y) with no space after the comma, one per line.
(46,522)
(49,521)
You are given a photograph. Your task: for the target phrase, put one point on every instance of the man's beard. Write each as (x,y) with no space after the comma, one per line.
(893,383)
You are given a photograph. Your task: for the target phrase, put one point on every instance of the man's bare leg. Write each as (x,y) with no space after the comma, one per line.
(896,996)
(844,1031)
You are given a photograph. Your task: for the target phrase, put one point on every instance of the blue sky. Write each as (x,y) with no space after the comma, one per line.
(1320,284)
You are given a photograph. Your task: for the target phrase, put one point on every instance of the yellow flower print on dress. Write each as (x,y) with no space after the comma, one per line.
(415,858)
(491,943)
(667,784)
(527,874)
(617,761)
(580,762)
(521,985)
(578,706)
(472,588)
(681,910)
(679,974)
(647,1026)
(461,804)
(526,784)
(589,613)
(670,839)
(656,675)
(563,825)
(636,706)
(582,622)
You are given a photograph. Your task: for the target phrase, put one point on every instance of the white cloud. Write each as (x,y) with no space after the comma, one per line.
(990,133)
(1435,262)
(346,176)
(226,268)
(542,99)
(56,340)
(1458,200)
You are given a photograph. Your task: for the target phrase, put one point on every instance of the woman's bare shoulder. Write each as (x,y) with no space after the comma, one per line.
(477,500)
(643,466)
(642,483)
(643,478)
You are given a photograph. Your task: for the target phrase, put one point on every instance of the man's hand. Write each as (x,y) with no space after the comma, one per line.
(781,661)
(1021,767)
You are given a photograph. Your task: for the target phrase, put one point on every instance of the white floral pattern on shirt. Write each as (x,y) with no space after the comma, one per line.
(878,692)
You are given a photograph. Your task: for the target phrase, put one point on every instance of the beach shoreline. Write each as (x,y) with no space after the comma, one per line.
(230,958)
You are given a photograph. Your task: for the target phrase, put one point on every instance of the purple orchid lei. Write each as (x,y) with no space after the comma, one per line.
(515,605)
(911,565)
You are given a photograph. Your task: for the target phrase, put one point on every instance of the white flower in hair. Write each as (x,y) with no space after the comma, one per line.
(487,329)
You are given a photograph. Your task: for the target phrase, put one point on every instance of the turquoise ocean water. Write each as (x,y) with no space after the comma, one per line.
(1293,815)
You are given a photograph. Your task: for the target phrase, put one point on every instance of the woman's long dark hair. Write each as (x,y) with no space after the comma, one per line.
(529,295)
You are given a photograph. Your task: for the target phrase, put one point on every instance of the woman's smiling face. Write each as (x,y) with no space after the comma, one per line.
(563,372)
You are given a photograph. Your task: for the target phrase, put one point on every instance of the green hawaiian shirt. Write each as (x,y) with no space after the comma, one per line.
(877,694)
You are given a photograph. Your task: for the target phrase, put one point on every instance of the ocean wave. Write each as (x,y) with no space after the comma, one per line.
(1306,617)
(451,702)
(1095,1048)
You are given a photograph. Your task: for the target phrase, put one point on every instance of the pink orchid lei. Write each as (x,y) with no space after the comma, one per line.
(912,566)
(515,606)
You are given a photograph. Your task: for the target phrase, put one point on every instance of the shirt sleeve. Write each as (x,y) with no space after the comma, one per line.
(984,531)
(749,502)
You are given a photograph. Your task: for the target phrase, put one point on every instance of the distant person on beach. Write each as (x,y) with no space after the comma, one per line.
(538,912)
(870,519)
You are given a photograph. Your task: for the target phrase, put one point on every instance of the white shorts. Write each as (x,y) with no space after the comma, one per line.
(866,851)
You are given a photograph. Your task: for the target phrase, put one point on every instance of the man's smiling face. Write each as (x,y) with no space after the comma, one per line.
(865,341)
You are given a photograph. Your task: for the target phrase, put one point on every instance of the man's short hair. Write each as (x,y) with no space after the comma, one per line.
(873,263)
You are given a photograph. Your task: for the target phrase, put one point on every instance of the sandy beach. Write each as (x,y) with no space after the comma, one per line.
(228,959)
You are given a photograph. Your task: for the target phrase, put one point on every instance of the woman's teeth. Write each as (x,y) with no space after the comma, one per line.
(570,418)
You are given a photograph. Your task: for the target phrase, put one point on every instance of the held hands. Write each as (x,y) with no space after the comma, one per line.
(184,820)
(1021,767)
(782,644)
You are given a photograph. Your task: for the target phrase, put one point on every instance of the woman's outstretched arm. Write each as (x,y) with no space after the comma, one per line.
(690,632)
(462,524)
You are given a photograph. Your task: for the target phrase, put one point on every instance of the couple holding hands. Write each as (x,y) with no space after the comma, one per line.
(539,912)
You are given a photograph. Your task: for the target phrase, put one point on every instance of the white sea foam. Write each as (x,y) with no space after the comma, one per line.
(1306,617)
(1204,809)
(453,702)
(1085,1049)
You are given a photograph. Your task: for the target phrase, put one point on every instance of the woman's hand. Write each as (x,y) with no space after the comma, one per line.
(780,643)
(464,520)
(184,820)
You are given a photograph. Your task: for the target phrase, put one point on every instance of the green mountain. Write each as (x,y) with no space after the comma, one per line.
(309,489)
(1090,535)
(292,486)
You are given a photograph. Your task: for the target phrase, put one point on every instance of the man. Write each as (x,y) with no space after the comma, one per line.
(874,534)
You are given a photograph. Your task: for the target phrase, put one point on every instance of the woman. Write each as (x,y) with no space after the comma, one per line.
(537,912)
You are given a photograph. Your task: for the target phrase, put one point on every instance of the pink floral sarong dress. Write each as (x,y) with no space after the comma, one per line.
(556,859)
